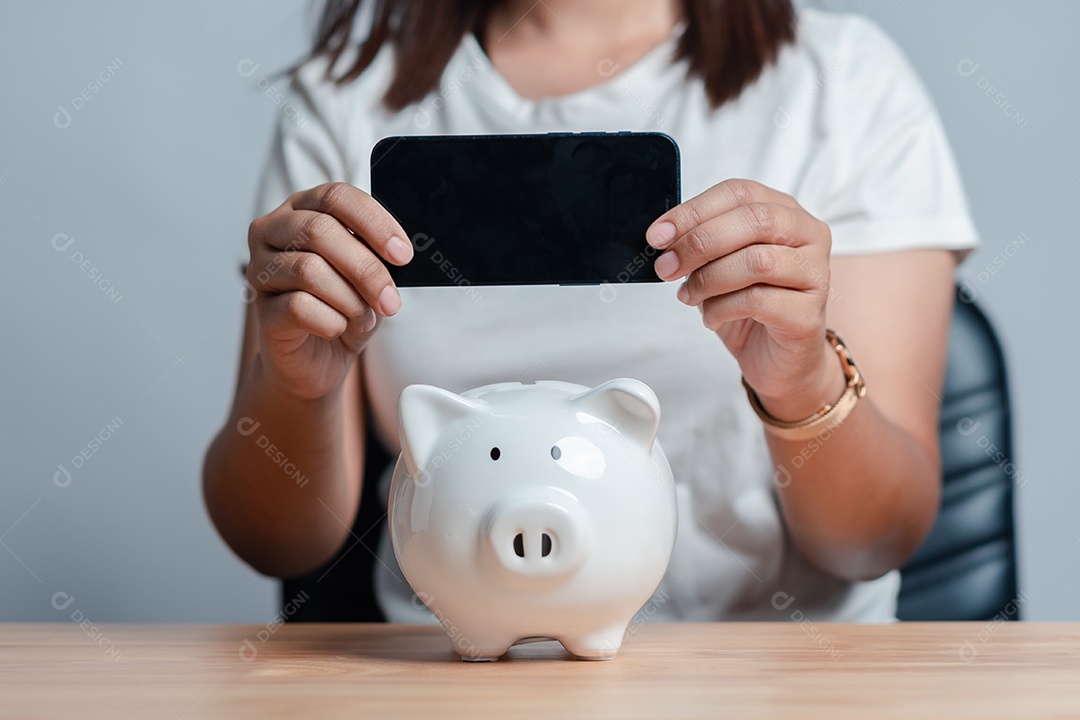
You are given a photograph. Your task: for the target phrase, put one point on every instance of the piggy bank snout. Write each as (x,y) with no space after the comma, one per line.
(536,538)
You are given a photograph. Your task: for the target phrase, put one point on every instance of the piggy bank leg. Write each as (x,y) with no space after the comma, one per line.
(473,648)
(600,645)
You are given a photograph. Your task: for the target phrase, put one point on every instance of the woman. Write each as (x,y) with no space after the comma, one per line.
(822,194)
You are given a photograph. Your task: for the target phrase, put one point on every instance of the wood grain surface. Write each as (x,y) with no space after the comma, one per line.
(900,671)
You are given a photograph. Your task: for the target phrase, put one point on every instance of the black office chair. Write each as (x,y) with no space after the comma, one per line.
(966,570)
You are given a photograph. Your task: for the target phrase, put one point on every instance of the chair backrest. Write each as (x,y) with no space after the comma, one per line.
(966,569)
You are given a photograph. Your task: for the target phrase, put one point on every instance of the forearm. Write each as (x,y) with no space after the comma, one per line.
(858,500)
(274,478)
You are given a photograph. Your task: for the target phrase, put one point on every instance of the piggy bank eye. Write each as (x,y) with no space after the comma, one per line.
(495,453)
(579,456)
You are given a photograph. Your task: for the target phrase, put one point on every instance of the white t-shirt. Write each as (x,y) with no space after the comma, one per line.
(841,122)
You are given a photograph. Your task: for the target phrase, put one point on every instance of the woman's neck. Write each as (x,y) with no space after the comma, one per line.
(575,22)
(549,48)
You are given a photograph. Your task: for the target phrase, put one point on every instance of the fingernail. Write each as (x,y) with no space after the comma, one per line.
(683,294)
(400,252)
(667,265)
(660,235)
(389,300)
(369,321)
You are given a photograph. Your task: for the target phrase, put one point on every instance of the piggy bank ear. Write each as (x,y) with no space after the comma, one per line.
(423,413)
(630,405)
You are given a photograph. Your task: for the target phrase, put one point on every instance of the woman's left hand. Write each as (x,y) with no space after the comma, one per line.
(756,265)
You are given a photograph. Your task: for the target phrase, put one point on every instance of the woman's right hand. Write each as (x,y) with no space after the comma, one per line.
(320,285)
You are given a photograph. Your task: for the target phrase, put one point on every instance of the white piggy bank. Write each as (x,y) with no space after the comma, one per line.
(520,512)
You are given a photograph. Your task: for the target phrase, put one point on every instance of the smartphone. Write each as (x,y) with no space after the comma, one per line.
(557,208)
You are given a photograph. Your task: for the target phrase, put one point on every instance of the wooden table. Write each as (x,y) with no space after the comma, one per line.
(955,670)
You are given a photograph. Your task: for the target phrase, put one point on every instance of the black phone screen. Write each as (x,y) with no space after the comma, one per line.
(526,209)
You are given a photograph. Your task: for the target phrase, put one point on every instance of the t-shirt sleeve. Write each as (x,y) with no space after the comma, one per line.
(307,147)
(897,186)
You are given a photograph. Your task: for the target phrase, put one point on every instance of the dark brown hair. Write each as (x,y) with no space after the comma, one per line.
(728,42)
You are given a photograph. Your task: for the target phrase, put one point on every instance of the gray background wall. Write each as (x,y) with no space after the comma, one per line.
(129,330)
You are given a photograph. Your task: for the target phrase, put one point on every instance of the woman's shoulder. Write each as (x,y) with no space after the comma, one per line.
(315,81)
(849,69)
(826,30)
(847,41)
